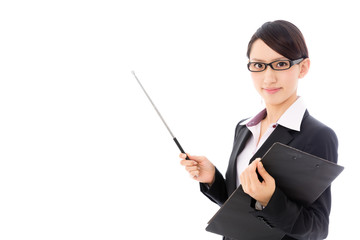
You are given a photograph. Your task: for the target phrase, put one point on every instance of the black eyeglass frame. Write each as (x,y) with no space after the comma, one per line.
(292,63)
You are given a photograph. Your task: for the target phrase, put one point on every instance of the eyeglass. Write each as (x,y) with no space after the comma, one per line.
(279,65)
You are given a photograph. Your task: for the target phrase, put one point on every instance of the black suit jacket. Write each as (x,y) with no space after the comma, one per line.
(295,220)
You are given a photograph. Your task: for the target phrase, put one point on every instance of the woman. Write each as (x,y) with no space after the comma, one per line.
(278,58)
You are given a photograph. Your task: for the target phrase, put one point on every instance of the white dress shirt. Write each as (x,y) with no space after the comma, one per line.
(291,119)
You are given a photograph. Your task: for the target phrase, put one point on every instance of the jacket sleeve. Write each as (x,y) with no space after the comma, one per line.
(294,219)
(217,192)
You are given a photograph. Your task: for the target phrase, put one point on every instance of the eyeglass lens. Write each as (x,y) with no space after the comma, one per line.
(277,65)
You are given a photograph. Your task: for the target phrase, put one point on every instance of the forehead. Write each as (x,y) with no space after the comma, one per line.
(262,52)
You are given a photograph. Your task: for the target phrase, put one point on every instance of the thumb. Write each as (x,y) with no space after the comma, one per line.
(264,174)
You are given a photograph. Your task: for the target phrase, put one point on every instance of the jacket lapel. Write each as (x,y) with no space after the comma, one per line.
(239,144)
(280,134)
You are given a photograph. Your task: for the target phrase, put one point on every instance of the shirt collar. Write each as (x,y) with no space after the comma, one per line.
(291,118)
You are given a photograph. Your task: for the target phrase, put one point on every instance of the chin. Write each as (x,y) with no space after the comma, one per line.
(277,100)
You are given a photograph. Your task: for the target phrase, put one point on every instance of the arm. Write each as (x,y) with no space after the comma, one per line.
(294,219)
(217,191)
(212,183)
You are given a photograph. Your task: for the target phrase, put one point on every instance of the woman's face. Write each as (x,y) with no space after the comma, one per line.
(275,87)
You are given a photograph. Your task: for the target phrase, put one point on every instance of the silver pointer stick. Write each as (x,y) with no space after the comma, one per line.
(162,119)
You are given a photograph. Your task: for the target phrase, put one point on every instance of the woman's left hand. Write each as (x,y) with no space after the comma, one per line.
(260,191)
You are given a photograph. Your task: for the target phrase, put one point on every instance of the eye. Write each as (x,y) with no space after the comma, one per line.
(282,65)
(258,65)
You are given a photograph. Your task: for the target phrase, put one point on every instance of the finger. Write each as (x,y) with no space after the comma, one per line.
(196,158)
(249,178)
(251,171)
(255,162)
(183,155)
(263,173)
(188,163)
(253,165)
(242,181)
(192,168)
(194,174)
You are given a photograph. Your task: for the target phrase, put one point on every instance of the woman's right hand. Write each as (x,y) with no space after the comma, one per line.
(199,168)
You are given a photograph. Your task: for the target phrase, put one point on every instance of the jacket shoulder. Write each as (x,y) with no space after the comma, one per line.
(240,126)
(313,127)
(318,138)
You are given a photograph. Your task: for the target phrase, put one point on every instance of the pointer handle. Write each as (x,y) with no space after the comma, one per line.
(181,149)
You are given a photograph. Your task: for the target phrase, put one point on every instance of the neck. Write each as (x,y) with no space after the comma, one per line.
(274,112)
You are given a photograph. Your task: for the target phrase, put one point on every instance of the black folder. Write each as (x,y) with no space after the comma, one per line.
(301,176)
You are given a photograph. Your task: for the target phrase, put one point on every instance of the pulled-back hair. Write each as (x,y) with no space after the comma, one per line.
(283,37)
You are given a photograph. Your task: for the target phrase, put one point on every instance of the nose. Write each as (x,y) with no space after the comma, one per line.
(269,75)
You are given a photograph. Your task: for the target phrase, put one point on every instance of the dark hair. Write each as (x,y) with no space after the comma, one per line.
(283,37)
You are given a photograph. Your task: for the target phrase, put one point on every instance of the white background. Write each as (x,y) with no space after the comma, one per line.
(82,153)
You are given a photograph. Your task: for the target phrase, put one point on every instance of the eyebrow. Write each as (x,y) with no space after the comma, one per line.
(261,60)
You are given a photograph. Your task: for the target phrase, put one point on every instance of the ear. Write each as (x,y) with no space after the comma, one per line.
(304,67)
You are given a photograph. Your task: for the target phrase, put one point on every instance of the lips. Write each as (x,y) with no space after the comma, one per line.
(271,90)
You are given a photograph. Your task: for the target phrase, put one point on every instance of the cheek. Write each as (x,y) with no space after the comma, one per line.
(256,78)
(289,79)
